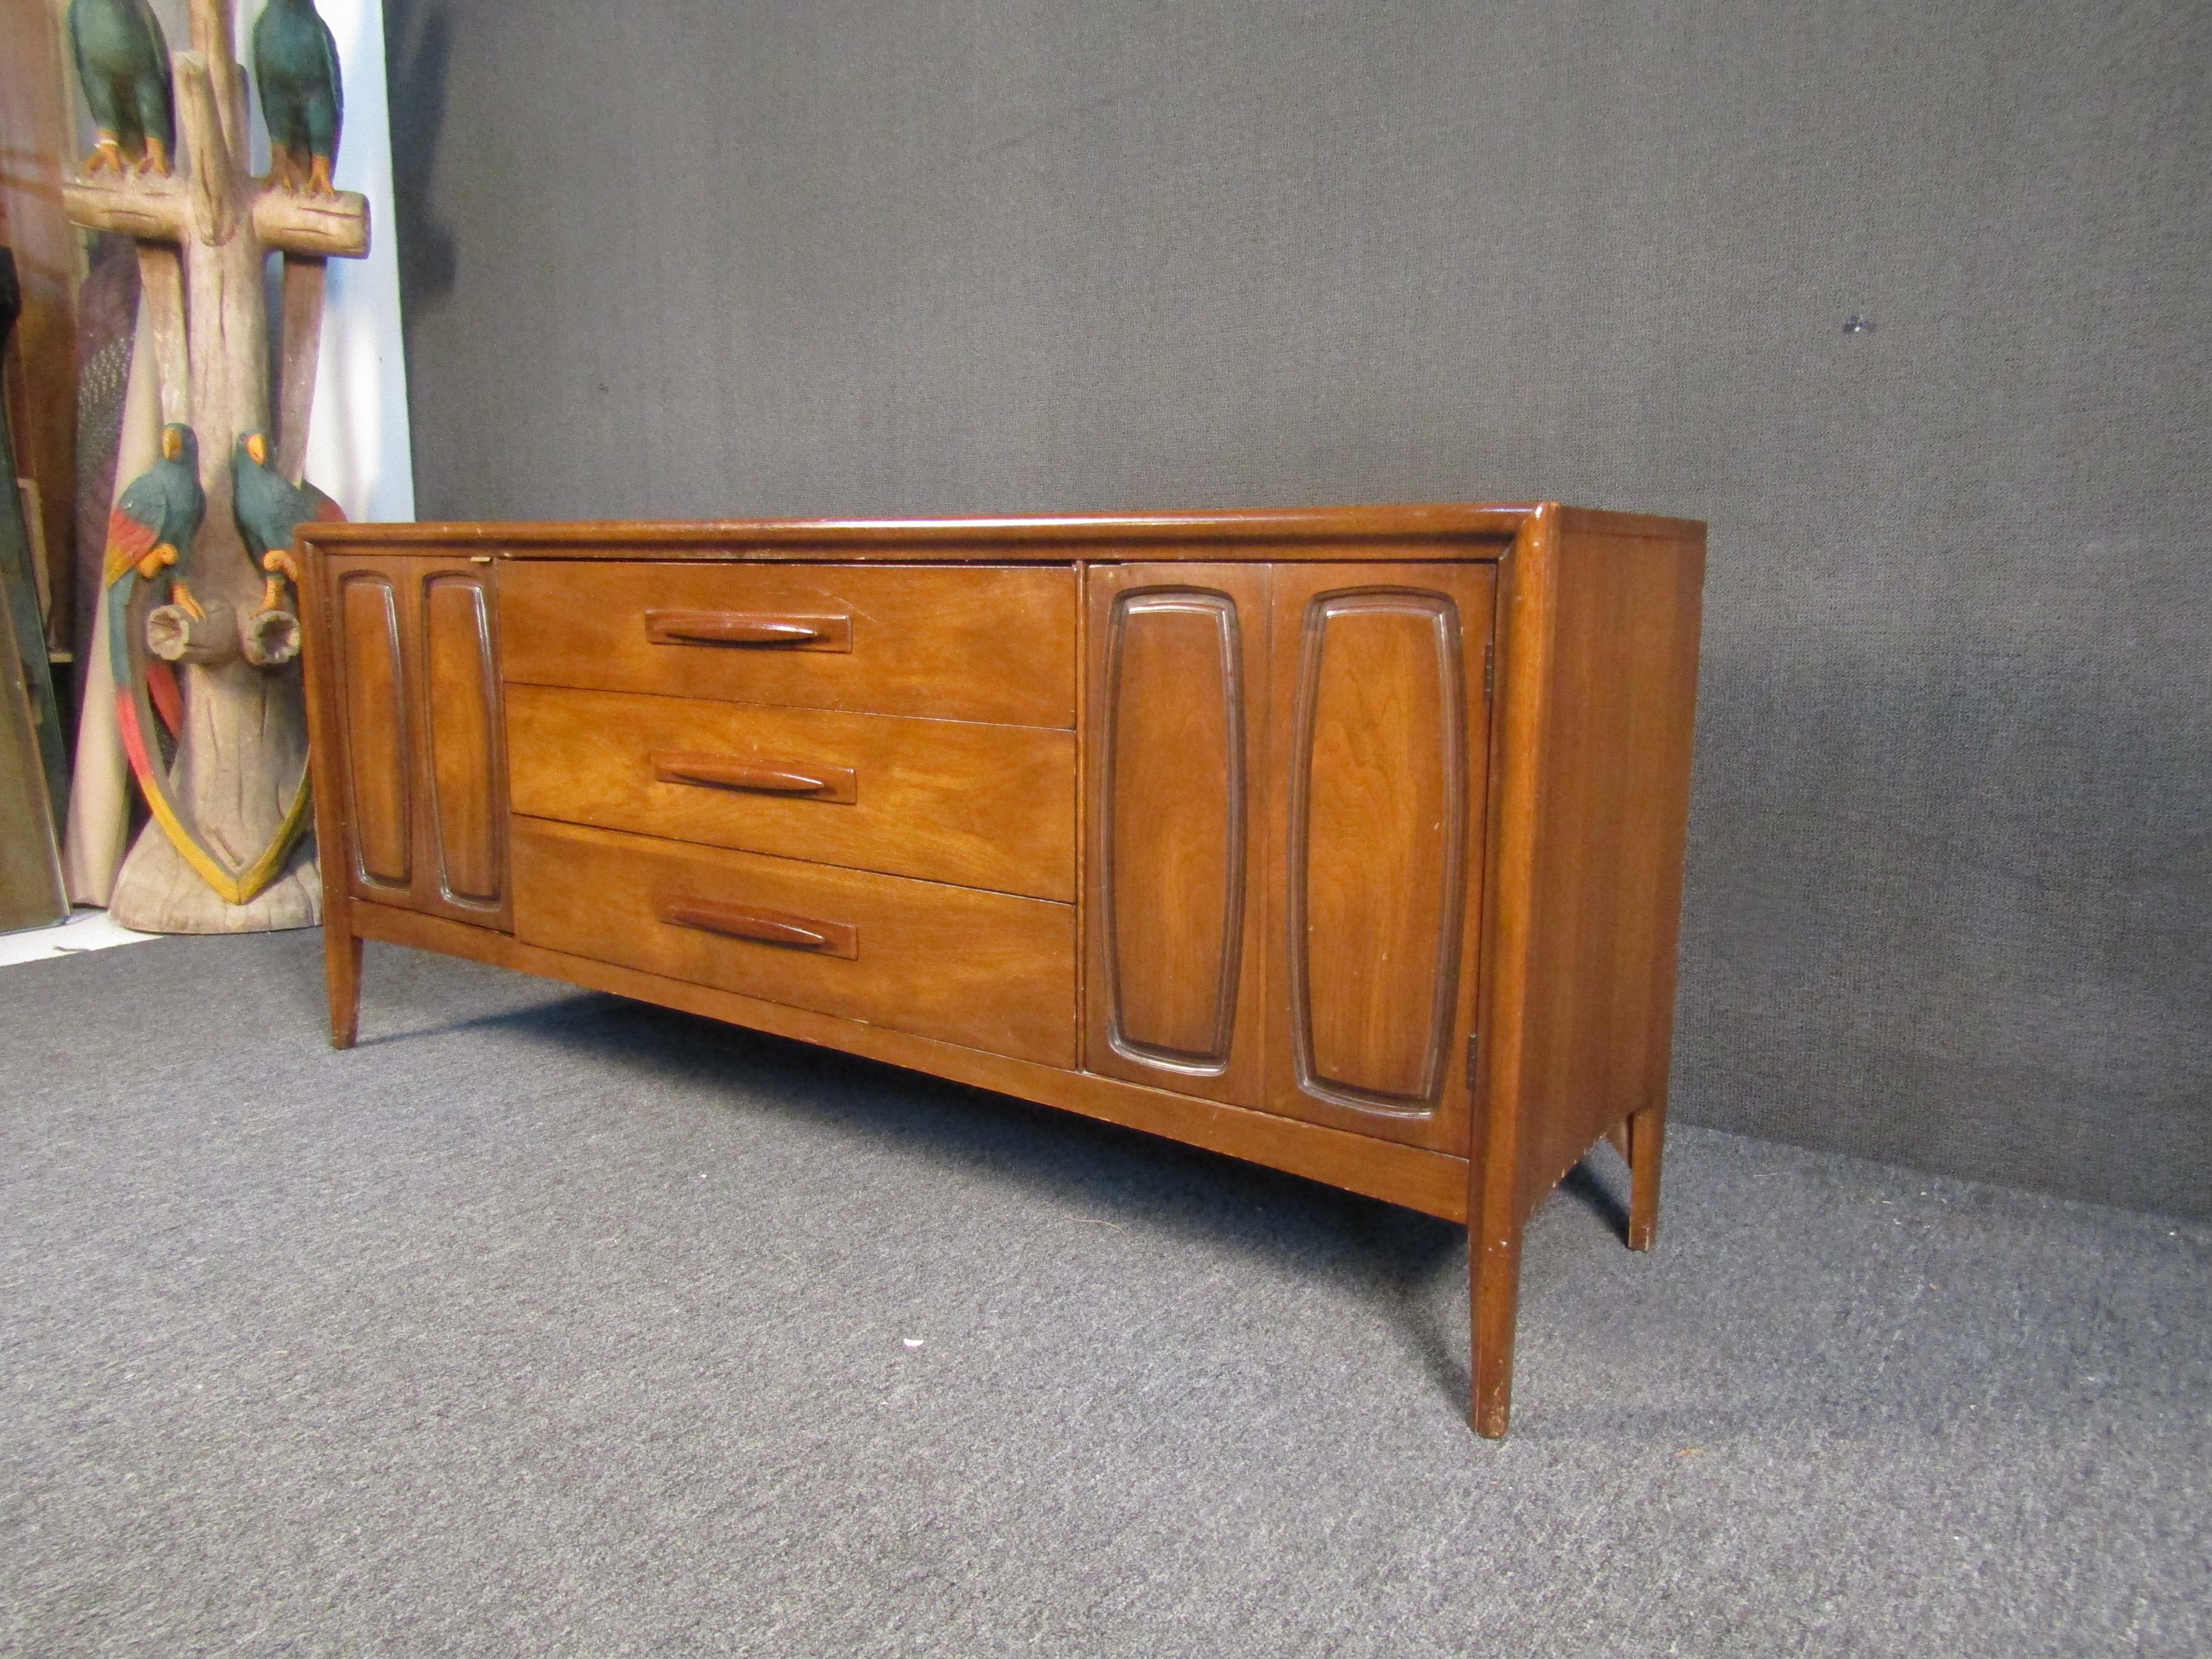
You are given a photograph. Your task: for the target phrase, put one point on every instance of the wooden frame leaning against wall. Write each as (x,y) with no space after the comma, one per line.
(1347,840)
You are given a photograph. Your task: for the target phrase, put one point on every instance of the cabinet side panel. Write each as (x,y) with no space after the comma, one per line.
(461,683)
(1611,811)
(376,735)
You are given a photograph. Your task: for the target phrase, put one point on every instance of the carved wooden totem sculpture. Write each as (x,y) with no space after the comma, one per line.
(224,853)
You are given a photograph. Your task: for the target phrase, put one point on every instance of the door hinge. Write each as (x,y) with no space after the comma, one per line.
(1473,1052)
(1489,668)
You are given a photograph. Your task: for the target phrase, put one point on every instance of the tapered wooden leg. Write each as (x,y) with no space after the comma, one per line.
(1647,1144)
(1493,1262)
(341,975)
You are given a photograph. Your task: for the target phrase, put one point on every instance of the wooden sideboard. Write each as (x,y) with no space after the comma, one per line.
(1348,841)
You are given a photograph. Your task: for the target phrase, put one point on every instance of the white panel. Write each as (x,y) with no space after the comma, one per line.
(358,444)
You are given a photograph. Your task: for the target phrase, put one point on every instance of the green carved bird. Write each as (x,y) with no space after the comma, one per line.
(123,63)
(303,98)
(269,510)
(153,524)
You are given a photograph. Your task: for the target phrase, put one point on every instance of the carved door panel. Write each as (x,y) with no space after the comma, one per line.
(1177,713)
(1380,743)
(421,723)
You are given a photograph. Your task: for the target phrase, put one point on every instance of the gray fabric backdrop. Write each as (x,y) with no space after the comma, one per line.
(1951,871)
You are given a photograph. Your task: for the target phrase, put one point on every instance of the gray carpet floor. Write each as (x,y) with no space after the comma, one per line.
(545,1324)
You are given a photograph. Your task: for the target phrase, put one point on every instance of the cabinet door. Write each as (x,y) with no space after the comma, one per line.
(1177,712)
(413,640)
(1381,740)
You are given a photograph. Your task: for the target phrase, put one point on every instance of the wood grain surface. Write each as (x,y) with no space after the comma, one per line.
(946,800)
(1438,530)
(1177,916)
(379,728)
(1448,530)
(993,644)
(415,698)
(983,969)
(324,684)
(1378,720)
(460,700)
(1597,696)
(1363,532)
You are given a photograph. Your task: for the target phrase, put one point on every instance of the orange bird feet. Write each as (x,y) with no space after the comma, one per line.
(279,565)
(156,160)
(299,174)
(155,562)
(181,596)
(106,157)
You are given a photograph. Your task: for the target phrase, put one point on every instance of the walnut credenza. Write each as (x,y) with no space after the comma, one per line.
(1348,841)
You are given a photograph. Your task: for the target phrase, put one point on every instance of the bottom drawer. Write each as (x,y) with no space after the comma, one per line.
(986,970)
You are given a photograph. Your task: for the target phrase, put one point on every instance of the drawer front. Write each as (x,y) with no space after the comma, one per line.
(960,642)
(946,800)
(986,970)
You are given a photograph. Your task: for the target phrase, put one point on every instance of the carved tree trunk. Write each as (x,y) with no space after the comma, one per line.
(245,742)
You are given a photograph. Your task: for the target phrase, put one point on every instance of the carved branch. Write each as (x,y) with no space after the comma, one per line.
(151,210)
(323,227)
(329,227)
(270,639)
(175,634)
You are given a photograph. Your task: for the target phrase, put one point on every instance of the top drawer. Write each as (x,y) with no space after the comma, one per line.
(973,642)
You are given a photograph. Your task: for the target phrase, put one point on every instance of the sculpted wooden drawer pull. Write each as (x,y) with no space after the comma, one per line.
(826,939)
(774,630)
(827,783)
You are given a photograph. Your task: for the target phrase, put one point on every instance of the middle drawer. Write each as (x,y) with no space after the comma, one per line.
(990,806)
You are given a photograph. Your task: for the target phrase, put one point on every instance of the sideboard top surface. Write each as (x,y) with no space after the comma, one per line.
(1270,533)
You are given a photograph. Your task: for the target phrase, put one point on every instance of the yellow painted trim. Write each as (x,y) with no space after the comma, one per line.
(245,888)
